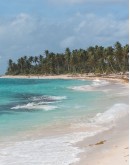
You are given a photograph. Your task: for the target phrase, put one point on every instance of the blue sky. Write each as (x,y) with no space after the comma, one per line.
(28,27)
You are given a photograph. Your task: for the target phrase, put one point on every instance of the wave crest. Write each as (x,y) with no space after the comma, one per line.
(116,112)
(94,86)
(34,106)
(47,98)
(40,103)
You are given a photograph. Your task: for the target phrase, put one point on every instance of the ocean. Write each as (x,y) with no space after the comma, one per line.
(41,120)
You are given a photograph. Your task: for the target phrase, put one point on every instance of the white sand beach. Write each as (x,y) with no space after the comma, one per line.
(116,77)
(109,147)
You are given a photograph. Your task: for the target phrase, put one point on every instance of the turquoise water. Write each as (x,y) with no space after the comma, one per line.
(30,103)
(41,121)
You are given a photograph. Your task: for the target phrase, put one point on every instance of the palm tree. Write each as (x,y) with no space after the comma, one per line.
(93,60)
(125,60)
(36,60)
(46,53)
(10,66)
(67,58)
(118,55)
(31,59)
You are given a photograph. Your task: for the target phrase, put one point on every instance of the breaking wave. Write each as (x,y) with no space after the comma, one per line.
(40,103)
(34,106)
(47,98)
(100,83)
(106,119)
(59,150)
(116,112)
(95,85)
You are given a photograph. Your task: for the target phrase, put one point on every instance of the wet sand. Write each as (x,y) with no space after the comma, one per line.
(107,148)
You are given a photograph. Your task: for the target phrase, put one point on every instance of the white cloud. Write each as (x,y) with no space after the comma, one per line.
(80,26)
(26,35)
(90,29)
(67,42)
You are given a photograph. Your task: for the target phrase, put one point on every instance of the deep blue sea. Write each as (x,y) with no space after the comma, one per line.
(28,106)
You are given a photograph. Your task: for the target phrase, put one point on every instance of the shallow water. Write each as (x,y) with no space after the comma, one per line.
(41,119)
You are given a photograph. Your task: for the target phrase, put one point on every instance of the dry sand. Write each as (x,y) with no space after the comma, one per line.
(107,148)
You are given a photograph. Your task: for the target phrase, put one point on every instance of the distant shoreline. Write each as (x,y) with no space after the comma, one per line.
(111,77)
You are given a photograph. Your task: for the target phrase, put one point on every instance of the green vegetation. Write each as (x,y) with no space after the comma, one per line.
(93,60)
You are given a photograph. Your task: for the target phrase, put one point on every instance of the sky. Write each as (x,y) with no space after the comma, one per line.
(29,27)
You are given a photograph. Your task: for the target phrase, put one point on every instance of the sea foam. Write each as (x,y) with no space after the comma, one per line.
(113,114)
(100,83)
(59,150)
(94,86)
(46,151)
(40,103)
(34,106)
(47,98)
(106,120)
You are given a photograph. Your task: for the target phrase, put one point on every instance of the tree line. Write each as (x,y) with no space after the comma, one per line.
(97,59)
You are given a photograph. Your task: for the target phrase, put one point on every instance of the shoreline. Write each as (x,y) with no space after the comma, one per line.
(108,147)
(111,77)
